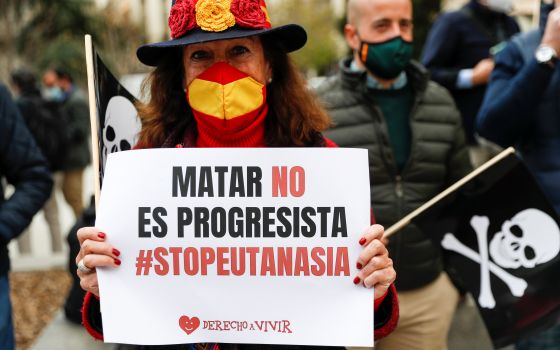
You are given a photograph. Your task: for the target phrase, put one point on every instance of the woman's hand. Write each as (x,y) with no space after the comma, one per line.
(376,268)
(94,253)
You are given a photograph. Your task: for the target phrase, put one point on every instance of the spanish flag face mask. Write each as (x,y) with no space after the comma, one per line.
(227,102)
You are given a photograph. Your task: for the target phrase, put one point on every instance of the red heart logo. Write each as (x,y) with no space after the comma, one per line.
(189,324)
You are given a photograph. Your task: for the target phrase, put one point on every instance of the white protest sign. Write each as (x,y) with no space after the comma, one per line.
(236,246)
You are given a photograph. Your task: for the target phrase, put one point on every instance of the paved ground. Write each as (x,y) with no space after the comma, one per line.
(468,331)
(63,335)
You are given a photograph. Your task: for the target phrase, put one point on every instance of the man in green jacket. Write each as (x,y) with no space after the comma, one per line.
(383,101)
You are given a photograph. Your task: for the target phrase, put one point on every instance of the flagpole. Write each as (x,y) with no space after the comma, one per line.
(407,219)
(93,115)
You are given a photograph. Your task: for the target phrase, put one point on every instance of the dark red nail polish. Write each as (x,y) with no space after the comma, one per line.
(117,261)
(116,252)
(362,241)
(356,280)
(101,235)
(359,266)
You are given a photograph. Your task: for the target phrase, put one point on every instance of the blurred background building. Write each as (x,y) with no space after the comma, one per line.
(43,33)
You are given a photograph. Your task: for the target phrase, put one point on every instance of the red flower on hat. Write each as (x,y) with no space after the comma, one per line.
(249,13)
(182,18)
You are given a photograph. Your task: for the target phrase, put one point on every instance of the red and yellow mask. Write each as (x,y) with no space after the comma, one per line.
(226,101)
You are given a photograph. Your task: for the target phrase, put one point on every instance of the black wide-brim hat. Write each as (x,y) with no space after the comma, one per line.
(290,37)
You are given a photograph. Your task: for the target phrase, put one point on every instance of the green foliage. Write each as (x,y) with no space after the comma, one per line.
(53,19)
(66,53)
(316,16)
(119,39)
(45,33)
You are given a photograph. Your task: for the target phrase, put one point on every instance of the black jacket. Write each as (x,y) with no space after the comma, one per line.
(76,111)
(438,158)
(459,40)
(23,166)
(522,109)
(46,123)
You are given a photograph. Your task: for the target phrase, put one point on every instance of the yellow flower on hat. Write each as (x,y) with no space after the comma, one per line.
(214,15)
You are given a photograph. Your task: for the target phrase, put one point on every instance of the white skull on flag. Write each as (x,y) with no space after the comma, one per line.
(121,128)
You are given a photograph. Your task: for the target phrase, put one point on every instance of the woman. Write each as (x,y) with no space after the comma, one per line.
(225,80)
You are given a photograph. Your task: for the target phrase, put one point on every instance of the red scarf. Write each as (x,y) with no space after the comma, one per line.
(252,135)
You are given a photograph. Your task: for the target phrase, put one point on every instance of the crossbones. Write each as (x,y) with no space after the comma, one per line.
(516,285)
(480,225)
(531,237)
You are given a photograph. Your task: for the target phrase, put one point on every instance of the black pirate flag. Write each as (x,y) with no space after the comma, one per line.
(117,120)
(501,240)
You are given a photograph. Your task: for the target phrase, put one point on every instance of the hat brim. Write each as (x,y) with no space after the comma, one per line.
(291,37)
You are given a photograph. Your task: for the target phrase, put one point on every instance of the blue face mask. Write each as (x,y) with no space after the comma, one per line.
(386,59)
(53,93)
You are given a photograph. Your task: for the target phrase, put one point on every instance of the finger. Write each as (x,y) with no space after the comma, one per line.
(90,284)
(374,248)
(92,233)
(376,263)
(371,233)
(380,278)
(95,247)
(380,290)
(88,280)
(93,261)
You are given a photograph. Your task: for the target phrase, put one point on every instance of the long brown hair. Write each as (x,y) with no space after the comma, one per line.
(295,116)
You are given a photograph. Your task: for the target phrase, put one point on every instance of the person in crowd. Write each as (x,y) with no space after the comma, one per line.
(223,42)
(521,109)
(384,101)
(45,125)
(60,87)
(459,55)
(23,166)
